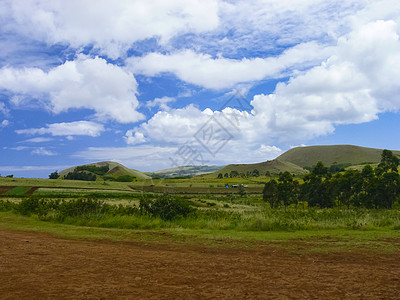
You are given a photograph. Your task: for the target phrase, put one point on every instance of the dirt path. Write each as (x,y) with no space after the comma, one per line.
(41,266)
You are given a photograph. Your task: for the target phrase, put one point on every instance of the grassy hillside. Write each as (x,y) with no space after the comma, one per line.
(336,154)
(116,170)
(185,171)
(273,166)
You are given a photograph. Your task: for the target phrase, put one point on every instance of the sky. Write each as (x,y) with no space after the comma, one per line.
(165,83)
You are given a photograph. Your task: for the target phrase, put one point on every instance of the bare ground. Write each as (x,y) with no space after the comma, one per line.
(40,266)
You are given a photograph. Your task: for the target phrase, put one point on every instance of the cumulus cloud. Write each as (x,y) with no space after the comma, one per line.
(66,129)
(221,73)
(90,83)
(110,26)
(356,83)
(162,103)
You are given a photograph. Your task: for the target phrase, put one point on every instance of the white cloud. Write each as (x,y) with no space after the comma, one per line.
(31,168)
(19,148)
(110,26)
(43,152)
(84,83)
(3,109)
(67,129)
(37,140)
(356,83)
(133,138)
(4,123)
(162,103)
(222,73)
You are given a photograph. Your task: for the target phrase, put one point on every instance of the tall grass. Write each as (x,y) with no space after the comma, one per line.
(89,212)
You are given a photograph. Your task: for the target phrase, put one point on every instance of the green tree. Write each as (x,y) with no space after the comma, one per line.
(316,189)
(220,176)
(54,175)
(242,191)
(233,174)
(388,189)
(389,162)
(255,173)
(367,193)
(285,188)
(270,193)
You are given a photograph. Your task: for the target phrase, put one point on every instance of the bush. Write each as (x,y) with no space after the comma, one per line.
(166,207)
(125,178)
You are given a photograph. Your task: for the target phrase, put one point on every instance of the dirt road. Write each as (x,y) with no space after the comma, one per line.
(41,266)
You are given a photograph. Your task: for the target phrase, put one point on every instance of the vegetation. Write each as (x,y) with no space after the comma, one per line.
(354,199)
(340,155)
(94,169)
(54,175)
(80,175)
(370,188)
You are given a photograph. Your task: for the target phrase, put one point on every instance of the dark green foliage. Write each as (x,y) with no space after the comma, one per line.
(389,162)
(54,175)
(316,189)
(34,205)
(335,168)
(7,205)
(80,175)
(369,188)
(286,193)
(241,191)
(125,178)
(234,174)
(255,173)
(93,169)
(270,193)
(166,207)
(220,176)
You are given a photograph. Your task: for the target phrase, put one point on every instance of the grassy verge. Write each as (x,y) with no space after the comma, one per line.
(299,242)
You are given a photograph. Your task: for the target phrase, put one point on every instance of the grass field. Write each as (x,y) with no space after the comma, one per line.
(114,240)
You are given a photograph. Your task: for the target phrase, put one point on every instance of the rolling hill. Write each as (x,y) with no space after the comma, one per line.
(335,154)
(272,166)
(184,171)
(296,159)
(115,170)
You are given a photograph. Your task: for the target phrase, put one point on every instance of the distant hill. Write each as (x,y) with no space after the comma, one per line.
(184,171)
(115,170)
(296,159)
(272,166)
(335,154)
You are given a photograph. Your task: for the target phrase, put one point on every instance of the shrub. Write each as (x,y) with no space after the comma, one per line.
(125,178)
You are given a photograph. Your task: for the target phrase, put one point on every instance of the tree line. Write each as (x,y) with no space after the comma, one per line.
(369,188)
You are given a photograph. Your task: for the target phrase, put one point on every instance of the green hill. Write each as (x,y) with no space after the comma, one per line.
(115,170)
(335,154)
(184,171)
(272,166)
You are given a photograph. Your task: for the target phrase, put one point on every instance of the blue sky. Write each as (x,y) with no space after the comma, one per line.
(157,84)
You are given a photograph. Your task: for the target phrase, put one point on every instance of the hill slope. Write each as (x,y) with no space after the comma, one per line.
(185,171)
(273,166)
(116,170)
(335,154)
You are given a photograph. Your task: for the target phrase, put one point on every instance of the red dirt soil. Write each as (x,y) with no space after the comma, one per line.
(40,266)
